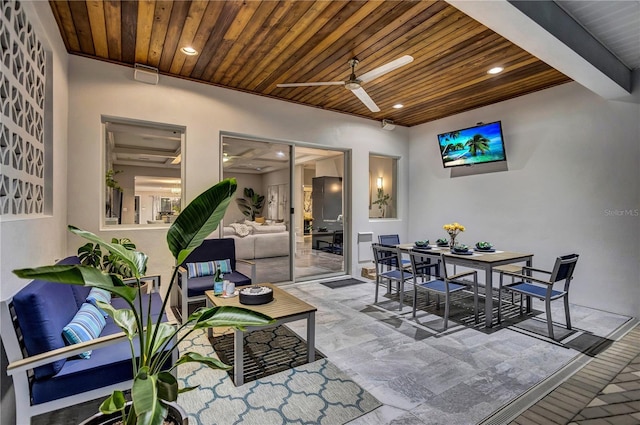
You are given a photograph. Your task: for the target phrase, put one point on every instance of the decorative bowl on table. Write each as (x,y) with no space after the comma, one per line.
(422,244)
(484,246)
(256,295)
(442,242)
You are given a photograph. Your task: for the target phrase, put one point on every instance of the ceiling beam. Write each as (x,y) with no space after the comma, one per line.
(546,31)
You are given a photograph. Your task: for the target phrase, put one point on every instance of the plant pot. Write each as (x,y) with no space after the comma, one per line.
(175,413)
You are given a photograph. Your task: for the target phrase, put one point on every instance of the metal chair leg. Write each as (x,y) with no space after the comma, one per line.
(415,296)
(500,299)
(446,311)
(566,311)
(475,302)
(547,306)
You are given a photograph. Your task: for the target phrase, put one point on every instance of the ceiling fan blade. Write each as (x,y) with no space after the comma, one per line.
(381,70)
(323,83)
(364,98)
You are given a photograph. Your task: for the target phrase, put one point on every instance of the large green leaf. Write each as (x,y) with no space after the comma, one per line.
(165,332)
(79,275)
(114,403)
(153,417)
(167,387)
(199,219)
(90,254)
(124,318)
(210,362)
(144,392)
(227,316)
(136,260)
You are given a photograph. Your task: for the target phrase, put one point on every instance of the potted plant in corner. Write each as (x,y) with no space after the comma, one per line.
(153,389)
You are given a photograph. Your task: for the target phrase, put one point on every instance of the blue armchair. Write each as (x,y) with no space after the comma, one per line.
(191,289)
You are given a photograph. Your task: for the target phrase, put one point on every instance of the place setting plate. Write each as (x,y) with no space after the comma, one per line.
(488,247)
(469,252)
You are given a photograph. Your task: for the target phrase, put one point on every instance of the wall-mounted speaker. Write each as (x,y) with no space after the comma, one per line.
(388,125)
(145,74)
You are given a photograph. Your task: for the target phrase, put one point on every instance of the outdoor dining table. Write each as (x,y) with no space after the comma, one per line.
(480,260)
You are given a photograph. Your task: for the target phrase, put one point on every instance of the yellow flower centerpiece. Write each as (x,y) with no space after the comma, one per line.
(453,229)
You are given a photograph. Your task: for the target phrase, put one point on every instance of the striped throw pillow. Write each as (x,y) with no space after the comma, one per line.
(85,326)
(97,294)
(207,268)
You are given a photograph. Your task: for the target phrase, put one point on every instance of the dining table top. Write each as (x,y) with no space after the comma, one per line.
(495,256)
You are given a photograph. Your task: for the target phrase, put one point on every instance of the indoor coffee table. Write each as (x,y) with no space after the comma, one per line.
(284,308)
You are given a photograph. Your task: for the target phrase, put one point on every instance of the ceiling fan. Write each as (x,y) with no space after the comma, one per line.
(355,84)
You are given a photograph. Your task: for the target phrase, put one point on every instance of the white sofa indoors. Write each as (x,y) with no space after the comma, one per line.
(259,240)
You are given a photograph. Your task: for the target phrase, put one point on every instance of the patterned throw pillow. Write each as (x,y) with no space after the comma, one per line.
(85,326)
(207,268)
(97,294)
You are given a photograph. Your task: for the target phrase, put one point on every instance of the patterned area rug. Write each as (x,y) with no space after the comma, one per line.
(315,393)
(266,351)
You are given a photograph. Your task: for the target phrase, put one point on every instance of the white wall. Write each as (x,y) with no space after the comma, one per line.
(39,241)
(572,186)
(98,88)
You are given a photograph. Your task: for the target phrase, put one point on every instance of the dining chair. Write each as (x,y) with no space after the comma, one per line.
(335,246)
(386,259)
(445,284)
(529,286)
(393,240)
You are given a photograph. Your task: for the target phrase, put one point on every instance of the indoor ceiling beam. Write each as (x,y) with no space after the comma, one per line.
(546,31)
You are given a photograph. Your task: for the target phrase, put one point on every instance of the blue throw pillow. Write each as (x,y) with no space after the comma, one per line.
(207,268)
(97,294)
(85,326)
(223,265)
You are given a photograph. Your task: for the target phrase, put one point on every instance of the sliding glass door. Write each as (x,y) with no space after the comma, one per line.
(288,217)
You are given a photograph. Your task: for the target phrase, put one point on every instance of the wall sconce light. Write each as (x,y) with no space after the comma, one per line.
(379,182)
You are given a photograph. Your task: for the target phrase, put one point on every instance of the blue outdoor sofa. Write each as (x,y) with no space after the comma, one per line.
(47,374)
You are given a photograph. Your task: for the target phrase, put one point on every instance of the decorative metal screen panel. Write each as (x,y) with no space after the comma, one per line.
(22,100)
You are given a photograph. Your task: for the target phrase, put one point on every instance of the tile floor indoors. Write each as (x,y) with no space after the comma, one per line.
(422,376)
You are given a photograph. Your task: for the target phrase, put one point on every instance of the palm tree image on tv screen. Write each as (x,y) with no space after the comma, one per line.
(475,145)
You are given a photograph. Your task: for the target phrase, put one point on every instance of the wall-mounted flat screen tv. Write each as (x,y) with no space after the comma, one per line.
(475,145)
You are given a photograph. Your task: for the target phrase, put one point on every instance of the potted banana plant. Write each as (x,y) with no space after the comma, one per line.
(154,390)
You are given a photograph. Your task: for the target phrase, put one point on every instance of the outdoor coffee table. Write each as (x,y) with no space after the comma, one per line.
(284,308)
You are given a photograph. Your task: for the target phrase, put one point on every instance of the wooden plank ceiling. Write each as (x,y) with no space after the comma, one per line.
(252,45)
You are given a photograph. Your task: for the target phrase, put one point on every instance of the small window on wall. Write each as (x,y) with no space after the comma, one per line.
(382,186)
(143,172)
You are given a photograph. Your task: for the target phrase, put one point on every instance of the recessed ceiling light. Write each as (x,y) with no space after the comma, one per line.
(496,70)
(280,154)
(189,51)
(398,106)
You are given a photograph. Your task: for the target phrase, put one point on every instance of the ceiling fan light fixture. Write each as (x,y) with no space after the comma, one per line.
(495,70)
(352,84)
